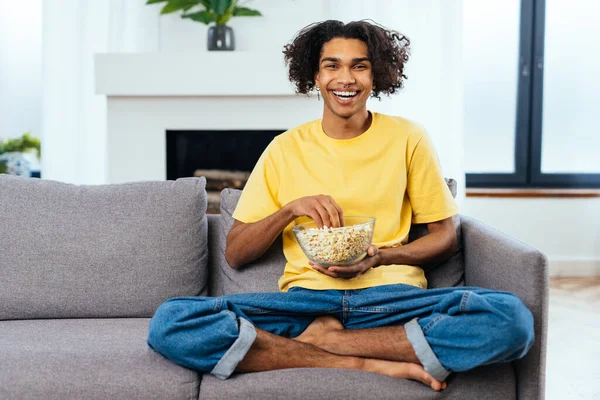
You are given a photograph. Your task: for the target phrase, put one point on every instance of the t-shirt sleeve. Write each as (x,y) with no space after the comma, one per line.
(259,197)
(428,192)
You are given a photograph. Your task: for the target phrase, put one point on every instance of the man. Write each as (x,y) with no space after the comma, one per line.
(375,315)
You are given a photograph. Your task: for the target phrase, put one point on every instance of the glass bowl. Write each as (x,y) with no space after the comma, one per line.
(345,245)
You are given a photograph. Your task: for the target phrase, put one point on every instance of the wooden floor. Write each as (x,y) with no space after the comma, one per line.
(573,358)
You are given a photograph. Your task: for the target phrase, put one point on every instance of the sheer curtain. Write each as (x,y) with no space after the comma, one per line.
(433,93)
(73,126)
(20,68)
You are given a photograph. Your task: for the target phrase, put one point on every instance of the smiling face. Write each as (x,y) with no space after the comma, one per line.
(345,77)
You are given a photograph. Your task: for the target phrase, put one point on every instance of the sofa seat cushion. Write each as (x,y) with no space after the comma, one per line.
(87,359)
(490,382)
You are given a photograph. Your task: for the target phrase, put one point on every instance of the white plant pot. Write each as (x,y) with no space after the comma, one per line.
(20,164)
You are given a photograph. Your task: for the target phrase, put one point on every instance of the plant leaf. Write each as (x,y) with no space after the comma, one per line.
(176,5)
(155,1)
(220,6)
(223,19)
(246,12)
(201,16)
(22,144)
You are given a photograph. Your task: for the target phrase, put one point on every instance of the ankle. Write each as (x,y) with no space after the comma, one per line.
(357,363)
(330,340)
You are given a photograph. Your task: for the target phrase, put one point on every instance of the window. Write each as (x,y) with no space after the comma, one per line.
(532,109)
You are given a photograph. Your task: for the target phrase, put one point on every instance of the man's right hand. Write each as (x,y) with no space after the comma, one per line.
(321,208)
(247,242)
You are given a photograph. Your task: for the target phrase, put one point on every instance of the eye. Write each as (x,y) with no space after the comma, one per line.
(331,66)
(360,67)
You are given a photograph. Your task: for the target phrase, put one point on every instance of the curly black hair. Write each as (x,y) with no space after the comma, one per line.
(388,52)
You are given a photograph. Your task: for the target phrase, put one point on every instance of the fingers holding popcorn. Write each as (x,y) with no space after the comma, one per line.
(323,209)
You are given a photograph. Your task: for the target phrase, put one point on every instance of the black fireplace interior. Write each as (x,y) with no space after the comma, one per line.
(228,150)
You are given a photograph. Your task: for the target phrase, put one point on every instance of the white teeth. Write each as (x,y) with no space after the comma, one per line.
(347,94)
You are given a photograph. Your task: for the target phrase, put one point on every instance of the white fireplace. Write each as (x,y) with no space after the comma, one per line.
(148,94)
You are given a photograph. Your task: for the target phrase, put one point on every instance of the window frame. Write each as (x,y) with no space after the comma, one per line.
(528,124)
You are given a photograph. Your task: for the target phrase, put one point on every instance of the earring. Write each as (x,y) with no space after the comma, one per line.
(318,94)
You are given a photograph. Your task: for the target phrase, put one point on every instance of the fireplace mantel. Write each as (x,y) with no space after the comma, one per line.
(236,73)
(150,94)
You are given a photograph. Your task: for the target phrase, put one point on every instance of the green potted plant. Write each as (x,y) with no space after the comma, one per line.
(19,156)
(219,12)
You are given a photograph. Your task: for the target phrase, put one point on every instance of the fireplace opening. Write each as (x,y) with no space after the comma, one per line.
(224,157)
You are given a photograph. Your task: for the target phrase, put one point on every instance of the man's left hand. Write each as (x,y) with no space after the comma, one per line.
(350,271)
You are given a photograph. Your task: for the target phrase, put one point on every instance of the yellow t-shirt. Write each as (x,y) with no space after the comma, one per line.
(391,172)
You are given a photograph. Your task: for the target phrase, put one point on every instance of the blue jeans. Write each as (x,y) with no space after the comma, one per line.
(450,329)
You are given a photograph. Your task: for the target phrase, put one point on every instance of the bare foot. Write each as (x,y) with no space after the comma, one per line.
(323,331)
(319,331)
(403,370)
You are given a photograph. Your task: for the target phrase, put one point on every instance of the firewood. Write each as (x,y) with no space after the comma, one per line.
(220,179)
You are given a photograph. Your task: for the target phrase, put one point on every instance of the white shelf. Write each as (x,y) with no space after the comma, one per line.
(218,73)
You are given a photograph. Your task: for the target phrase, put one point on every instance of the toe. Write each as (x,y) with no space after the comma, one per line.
(426,378)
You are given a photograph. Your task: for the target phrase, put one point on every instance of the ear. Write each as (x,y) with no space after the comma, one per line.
(316,79)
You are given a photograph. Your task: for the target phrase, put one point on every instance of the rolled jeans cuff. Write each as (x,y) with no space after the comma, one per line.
(236,352)
(424,353)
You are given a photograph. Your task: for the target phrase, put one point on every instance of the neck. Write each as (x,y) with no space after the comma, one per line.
(337,127)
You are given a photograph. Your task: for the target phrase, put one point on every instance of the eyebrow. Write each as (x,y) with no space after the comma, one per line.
(354,60)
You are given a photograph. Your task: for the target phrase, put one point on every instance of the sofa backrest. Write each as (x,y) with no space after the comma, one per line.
(70,251)
(262,275)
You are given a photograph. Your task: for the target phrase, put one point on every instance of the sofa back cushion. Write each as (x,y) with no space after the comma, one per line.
(117,250)
(260,275)
(263,274)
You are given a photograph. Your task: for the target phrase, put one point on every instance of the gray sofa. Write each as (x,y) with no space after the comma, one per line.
(83,268)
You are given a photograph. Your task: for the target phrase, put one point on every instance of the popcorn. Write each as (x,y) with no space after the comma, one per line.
(336,246)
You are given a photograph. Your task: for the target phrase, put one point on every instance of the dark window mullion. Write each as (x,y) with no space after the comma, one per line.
(498,180)
(537,95)
(572,181)
(525,98)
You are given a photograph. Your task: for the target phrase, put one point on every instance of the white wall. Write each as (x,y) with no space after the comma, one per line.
(20,67)
(566,230)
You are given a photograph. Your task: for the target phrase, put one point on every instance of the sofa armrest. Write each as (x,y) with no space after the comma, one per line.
(497,261)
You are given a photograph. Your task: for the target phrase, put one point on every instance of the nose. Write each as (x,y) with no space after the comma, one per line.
(345,77)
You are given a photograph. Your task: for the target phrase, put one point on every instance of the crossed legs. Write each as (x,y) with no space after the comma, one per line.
(326,344)
(458,329)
